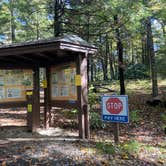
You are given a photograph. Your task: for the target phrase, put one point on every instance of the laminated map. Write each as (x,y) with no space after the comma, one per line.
(63,82)
(14,83)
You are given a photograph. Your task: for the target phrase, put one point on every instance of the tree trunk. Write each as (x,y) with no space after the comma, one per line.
(12,22)
(163,29)
(111,59)
(143,42)
(132,53)
(104,67)
(152,58)
(120,56)
(58,12)
(91,69)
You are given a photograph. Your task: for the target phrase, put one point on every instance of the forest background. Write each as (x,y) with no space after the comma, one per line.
(130,35)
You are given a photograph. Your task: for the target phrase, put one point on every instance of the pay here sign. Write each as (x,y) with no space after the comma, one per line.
(115,108)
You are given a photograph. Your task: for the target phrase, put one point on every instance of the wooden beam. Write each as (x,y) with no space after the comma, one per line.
(36,100)
(26,58)
(79,98)
(29,96)
(47,99)
(28,49)
(8,59)
(77,48)
(84,94)
(13,104)
(45,56)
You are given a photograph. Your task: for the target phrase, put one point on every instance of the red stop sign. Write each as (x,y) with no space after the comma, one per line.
(114,105)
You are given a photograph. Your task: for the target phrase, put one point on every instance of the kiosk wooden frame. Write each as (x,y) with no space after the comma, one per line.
(47,53)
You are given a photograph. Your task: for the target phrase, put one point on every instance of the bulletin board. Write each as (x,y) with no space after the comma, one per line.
(63,86)
(14,83)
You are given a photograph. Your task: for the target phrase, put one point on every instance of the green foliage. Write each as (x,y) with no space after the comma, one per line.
(71,114)
(137,71)
(163,117)
(134,116)
(106,148)
(95,118)
(95,121)
(92,97)
(131,147)
(161,62)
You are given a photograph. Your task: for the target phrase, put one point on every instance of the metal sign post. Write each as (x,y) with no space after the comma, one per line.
(115,109)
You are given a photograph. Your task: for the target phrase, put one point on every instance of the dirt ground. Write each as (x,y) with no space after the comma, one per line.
(59,145)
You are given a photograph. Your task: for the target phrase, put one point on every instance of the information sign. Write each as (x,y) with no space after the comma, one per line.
(63,82)
(14,83)
(115,108)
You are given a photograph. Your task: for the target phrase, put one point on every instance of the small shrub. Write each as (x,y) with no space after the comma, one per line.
(92,97)
(163,117)
(134,116)
(131,147)
(136,71)
(105,148)
(95,121)
(70,114)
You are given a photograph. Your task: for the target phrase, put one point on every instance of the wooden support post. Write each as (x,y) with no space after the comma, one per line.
(79,98)
(29,95)
(82,93)
(47,113)
(116,133)
(36,100)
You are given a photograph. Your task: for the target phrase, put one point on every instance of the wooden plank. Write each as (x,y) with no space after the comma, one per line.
(13,104)
(24,49)
(9,66)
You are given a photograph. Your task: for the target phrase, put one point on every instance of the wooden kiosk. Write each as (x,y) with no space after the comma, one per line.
(65,62)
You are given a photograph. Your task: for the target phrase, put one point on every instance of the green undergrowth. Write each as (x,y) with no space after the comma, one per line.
(132,148)
(135,116)
(105,148)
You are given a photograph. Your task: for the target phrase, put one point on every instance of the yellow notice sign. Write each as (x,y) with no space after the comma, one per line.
(29,93)
(29,107)
(78,80)
(44,83)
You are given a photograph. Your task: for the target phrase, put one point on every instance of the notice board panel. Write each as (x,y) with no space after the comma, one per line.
(14,83)
(63,85)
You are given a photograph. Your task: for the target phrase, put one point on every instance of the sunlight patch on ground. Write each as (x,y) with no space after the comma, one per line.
(56,132)
(152,153)
(12,122)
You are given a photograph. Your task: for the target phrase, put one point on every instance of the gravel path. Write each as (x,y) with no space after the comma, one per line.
(54,147)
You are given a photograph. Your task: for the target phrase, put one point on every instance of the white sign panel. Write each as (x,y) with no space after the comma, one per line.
(115,108)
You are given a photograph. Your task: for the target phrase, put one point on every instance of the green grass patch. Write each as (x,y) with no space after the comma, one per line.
(134,116)
(70,114)
(131,85)
(163,117)
(144,85)
(131,147)
(105,147)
